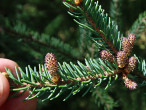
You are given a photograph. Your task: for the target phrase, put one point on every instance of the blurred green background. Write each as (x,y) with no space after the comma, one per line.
(50,17)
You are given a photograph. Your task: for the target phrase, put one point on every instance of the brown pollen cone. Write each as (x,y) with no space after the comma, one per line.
(51,64)
(131,65)
(106,55)
(129,83)
(126,46)
(131,38)
(121,59)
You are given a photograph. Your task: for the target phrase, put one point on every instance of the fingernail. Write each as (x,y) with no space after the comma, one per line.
(1,87)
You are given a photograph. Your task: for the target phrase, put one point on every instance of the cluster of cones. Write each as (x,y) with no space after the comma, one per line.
(123,60)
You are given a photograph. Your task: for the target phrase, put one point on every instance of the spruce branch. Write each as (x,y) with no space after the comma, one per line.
(55,78)
(101,25)
(74,77)
(100,33)
(98,22)
(66,77)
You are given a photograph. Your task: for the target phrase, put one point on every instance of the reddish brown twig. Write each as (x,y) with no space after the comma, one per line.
(79,79)
(100,33)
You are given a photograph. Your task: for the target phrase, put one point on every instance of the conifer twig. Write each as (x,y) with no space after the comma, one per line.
(79,79)
(101,34)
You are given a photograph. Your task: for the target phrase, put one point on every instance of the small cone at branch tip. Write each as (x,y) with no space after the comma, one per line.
(51,64)
(106,55)
(130,84)
(126,46)
(121,59)
(131,38)
(77,2)
(131,65)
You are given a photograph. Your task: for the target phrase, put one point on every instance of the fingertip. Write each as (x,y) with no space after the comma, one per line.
(7,63)
(21,104)
(4,89)
(16,103)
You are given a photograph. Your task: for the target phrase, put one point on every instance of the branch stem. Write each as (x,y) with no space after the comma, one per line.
(79,79)
(100,33)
